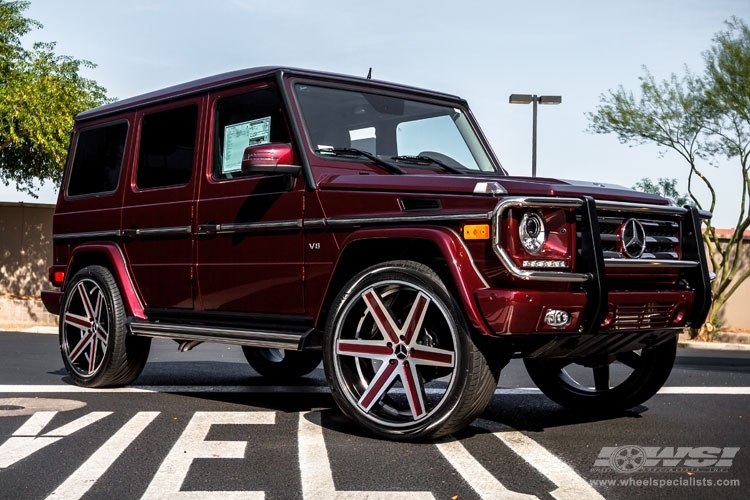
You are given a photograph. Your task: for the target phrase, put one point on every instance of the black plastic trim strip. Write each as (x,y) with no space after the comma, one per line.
(698,277)
(591,261)
(87,235)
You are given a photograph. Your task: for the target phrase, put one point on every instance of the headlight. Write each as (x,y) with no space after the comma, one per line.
(532,232)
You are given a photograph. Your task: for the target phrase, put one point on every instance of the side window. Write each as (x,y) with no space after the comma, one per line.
(167,148)
(98,160)
(244,120)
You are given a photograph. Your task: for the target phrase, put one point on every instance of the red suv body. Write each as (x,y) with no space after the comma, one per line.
(306,215)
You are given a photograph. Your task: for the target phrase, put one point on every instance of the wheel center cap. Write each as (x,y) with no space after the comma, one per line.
(401,351)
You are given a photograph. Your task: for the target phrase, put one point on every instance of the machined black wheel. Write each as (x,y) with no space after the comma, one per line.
(399,357)
(278,364)
(96,350)
(608,383)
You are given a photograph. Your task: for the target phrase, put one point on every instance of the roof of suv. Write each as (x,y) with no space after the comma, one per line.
(239,76)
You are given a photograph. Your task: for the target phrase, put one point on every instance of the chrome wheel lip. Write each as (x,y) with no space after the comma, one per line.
(387,375)
(90,324)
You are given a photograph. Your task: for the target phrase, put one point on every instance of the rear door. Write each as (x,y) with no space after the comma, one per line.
(158,212)
(249,244)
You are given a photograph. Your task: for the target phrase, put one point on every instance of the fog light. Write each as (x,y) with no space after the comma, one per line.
(557,318)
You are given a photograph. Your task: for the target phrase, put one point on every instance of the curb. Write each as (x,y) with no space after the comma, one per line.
(48,330)
(715,346)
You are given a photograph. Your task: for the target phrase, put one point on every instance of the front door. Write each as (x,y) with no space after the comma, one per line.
(249,230)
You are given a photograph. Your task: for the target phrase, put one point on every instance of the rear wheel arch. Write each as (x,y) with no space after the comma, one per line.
(109,256)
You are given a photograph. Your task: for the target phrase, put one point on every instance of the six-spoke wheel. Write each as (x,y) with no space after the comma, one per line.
(95,347)
(399,357)
(605,383)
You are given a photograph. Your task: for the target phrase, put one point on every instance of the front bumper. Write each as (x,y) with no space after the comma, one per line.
(523,312)
(594,307)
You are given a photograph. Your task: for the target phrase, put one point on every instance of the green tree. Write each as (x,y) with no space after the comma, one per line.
(663,187)
(702,118)
(40,92)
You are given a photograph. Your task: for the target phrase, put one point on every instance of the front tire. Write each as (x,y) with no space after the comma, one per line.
(399,357)
(95,347)
(644,374)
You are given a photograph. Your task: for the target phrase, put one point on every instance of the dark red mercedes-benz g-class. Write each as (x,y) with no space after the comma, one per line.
(308,216)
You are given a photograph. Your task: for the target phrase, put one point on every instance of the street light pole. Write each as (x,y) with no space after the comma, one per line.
(534,100)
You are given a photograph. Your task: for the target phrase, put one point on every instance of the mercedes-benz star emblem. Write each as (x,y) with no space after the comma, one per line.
(633,238)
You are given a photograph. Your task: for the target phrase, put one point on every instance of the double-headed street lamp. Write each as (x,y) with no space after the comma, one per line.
(541,99)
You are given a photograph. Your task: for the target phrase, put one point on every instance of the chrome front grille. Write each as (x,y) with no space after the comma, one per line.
(662,237)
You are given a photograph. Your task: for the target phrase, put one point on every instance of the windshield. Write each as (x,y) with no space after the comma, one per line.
(395,129)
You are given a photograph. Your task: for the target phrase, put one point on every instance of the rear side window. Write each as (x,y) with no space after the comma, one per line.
(167,148)
(98,160)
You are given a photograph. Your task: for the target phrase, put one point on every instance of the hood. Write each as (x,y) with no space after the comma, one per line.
(464,184)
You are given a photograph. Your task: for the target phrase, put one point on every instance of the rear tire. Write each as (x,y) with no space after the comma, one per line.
(281,365)
(95,346)
(650,370)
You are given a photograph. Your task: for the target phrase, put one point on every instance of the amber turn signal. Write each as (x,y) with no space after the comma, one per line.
(477,232)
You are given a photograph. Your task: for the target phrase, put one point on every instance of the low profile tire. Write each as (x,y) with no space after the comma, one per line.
(399,357)
(641,375)
(278,364)
(96,350)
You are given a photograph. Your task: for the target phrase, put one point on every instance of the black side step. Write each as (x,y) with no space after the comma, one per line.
(221,334)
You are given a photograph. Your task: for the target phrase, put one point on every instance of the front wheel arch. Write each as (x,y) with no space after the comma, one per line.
(433,247)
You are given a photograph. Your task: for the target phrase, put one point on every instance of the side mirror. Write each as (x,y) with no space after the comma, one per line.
(270,158)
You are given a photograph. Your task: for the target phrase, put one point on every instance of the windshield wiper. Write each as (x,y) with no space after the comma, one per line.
(390,167)
(430,160)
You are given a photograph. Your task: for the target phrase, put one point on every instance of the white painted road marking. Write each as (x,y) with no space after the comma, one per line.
(26,440)
(570,486)
(192,444)
(315,468)
(314,464)
(28,406)
(283,389)
(92,469)
(480,479)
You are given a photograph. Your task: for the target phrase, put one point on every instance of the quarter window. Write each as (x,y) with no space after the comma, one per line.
(167,148)
(98,160)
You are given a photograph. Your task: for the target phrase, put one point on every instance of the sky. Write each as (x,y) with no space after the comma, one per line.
(481,50)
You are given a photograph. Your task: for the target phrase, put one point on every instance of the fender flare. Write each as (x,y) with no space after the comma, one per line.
(466,277)
(113,253)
